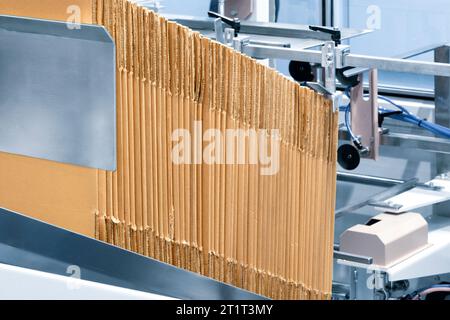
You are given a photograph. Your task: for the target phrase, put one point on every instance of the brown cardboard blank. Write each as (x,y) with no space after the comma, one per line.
(269,234)
(62,10)
(59,194)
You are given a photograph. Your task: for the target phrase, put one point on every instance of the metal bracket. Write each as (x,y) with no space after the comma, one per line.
(229,36)
(335,97)
(218,29)
(341,52)
(329,65)
(365,115)
(57,88)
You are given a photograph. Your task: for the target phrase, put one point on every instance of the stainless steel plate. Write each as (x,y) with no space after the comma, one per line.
(28,243)
(57,92)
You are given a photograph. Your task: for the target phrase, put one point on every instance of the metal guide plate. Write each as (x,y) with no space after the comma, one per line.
(31,244)
(57,92)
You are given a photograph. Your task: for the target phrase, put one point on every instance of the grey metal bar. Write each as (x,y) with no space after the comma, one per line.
(442,117)
(365,179)
(351,257)
(262,28)
(263,52)
(270,43)
(396,90)
(419,51)
(299,31)
(287,30)
(292,31)
(28,243)
(407,91)
(431,144)
(408,55)
(389,193)
(352,60)
(398,65)
(378,181)
(425,143)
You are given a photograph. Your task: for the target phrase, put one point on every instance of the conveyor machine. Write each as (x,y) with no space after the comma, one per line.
(318,60)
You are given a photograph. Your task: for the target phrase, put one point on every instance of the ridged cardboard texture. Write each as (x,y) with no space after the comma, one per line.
(265,222)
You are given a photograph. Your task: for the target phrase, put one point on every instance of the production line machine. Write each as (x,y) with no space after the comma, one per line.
(393,254)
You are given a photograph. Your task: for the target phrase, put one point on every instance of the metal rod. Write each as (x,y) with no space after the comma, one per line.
(389,193)
(429,144)
(398,65)
(378,181)
(351,257)
(370,180)
(407,55)
(312,56)
(353,60)
(264,28)
(271,43)
(442,117)
(419,51)
(263,52)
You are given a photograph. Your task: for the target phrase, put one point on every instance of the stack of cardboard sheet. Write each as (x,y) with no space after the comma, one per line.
(225,167)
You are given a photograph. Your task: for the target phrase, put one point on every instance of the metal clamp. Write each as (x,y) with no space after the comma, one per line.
(335,97)
(365,115)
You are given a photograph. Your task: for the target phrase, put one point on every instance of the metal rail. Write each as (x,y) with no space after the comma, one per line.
(263,52)
(351,257)
(352,60)
(372,200)
(283,30)
(411,141)
(31,244)
(368,180)
(398,65)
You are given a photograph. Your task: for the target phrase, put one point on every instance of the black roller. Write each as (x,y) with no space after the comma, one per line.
(301,71)
(348,157)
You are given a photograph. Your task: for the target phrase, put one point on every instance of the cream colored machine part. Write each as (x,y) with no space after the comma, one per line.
(388,239)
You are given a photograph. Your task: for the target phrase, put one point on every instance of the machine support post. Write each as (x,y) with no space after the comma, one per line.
(442,117)
(365,114)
